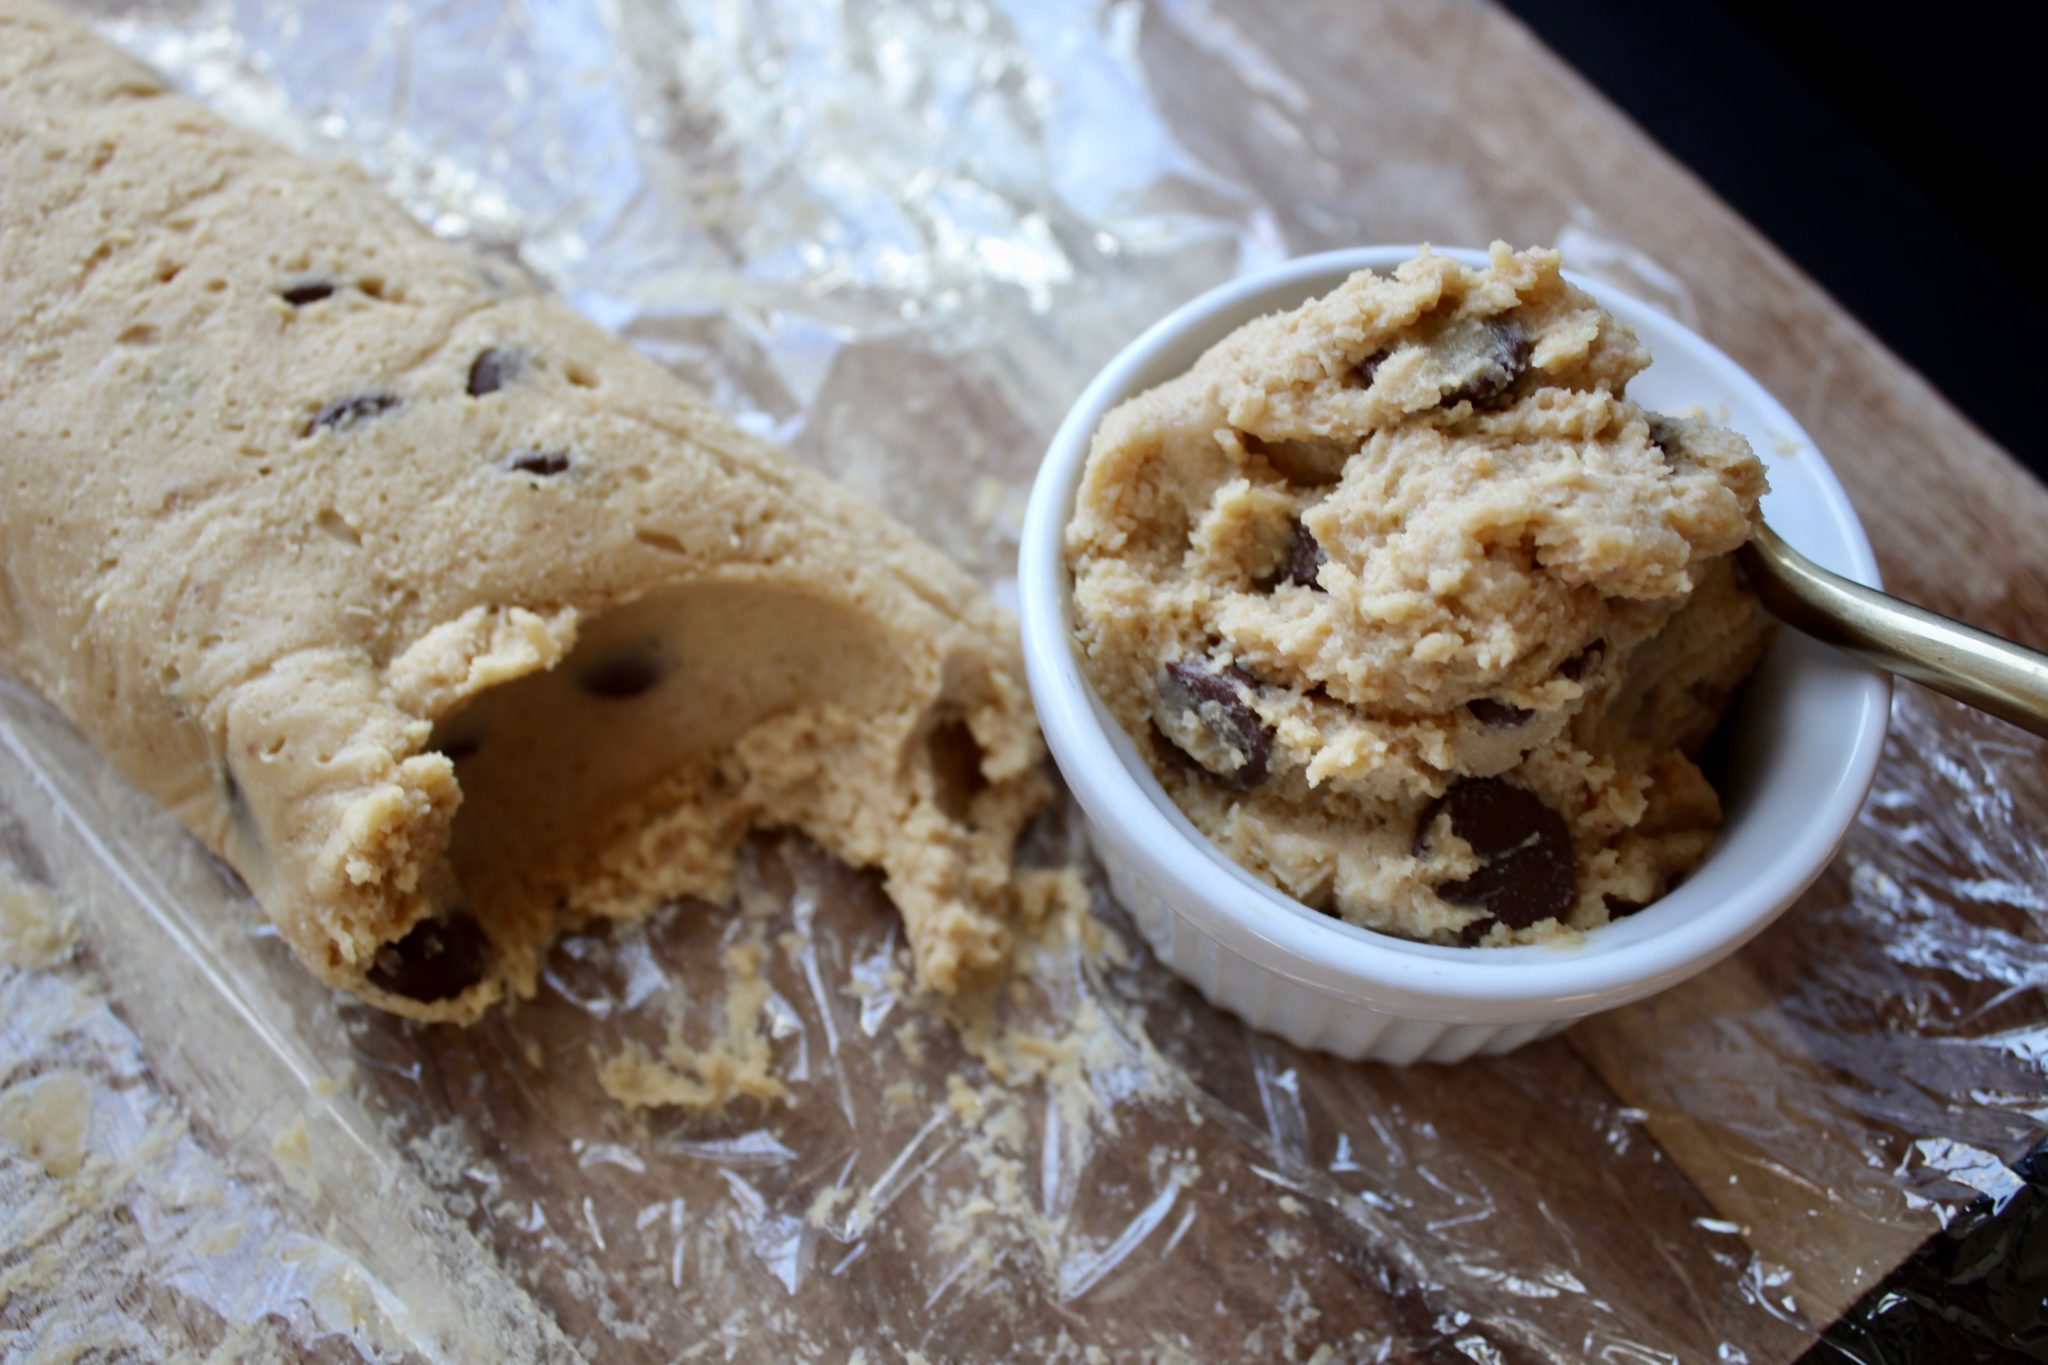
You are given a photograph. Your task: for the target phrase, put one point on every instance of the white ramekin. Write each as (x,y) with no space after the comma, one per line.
(1806,740)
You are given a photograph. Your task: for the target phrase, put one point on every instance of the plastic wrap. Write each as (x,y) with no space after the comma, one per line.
(899,238)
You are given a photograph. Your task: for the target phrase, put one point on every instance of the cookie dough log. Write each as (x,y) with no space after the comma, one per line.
(440,614)
(1415,612)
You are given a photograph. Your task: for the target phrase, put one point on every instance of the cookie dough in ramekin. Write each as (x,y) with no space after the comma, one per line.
(1801,745)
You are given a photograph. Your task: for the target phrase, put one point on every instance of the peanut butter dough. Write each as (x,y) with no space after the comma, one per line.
(1415,613)
(443,616)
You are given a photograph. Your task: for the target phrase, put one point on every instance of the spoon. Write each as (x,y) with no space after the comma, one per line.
(1975,667)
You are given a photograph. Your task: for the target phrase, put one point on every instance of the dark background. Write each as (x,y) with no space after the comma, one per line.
(1887,149)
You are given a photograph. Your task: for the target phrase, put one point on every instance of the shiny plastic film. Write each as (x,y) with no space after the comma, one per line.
(899,238)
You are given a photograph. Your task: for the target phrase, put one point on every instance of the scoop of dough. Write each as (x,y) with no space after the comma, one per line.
(443,616)
(1415,611)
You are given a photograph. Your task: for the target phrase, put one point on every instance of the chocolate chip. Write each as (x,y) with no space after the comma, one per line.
(1498,715)
(1527,872)
(1490,355)
(1304,556)
(622,676)
(1620,907)
(542,464)
(1194,700)
(1242,674)
(344,413)
(490,371)
(1370,366)
(1585,661)
(305,292)
(438,960)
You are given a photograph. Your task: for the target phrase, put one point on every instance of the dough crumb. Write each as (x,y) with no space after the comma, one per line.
(47,1119)
(291,1150)
(740,1061)
(827,1203)
(34,930)
(910,1042)
(342,1077)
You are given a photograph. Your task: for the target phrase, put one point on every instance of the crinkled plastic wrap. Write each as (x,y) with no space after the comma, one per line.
(899,238)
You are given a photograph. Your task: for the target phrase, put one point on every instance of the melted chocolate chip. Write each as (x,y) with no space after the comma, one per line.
(1498,715)
(438,960)
(1304,556)
(491,370)
(542,464)
(1585,661)
(344,413)
(1191,695)
(1527,872)
(305,292)
(1494,354)
(622,676)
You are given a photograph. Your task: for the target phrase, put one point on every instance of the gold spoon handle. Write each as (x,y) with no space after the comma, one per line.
(1992,674)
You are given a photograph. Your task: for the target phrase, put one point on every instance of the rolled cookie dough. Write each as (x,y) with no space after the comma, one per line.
(441,615)
(1414,612)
